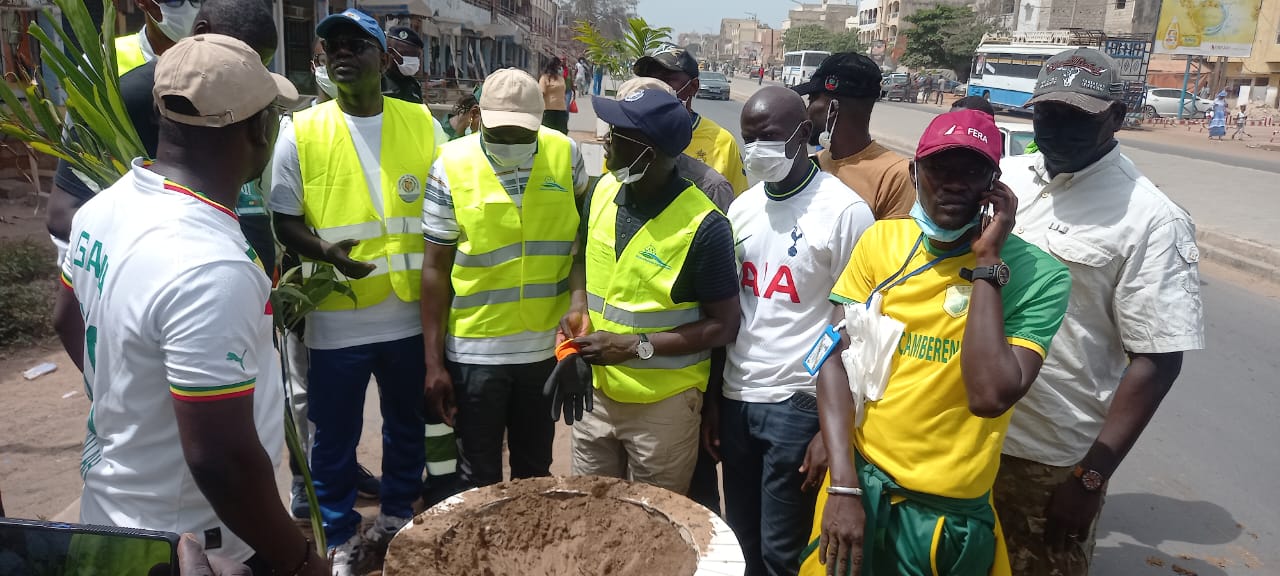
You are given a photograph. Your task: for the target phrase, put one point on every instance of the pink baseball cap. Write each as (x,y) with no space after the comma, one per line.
(971,129)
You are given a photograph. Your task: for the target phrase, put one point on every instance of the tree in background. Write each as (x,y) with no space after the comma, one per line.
(616,56)
(943,37)
(608,16)
(846,41)
(807,37)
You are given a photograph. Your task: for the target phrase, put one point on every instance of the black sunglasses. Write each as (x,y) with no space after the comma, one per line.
(350,44)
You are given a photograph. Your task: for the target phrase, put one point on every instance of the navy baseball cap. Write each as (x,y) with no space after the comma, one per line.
(667,56)
(406,34)
(655,113)
(356,18)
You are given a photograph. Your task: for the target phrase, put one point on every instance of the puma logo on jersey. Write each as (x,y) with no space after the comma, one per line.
(237,358)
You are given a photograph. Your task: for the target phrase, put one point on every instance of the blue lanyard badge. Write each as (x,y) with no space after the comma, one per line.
(822,348)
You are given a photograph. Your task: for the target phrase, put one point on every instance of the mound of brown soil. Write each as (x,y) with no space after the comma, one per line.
(555,527)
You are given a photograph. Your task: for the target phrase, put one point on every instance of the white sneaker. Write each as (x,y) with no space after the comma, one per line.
(379,535)
(346,556)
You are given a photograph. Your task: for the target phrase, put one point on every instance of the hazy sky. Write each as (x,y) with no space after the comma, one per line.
(704,15)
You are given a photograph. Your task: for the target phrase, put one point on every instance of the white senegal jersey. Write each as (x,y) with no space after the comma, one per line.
(176,308)
(792,246)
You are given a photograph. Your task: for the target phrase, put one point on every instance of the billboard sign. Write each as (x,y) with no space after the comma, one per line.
(1207,27)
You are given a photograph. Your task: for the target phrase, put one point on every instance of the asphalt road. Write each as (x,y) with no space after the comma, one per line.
(1201,490)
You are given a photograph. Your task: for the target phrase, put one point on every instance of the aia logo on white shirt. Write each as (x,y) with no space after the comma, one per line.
(782,285)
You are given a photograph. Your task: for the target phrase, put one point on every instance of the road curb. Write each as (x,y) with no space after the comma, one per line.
(1246,256)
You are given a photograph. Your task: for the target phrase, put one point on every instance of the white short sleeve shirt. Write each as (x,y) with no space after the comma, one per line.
(176,307)
(790,250)
(1135,286)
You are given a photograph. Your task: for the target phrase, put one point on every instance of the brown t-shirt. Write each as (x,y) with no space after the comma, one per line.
(881,176)
(553,91)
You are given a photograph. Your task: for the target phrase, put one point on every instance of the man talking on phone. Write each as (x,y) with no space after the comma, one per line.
(978,308)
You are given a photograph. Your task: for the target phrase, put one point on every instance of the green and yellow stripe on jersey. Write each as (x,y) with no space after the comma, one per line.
(212,393)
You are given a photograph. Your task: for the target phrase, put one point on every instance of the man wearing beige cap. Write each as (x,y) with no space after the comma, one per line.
(201,458)
(347,184)
(500,219)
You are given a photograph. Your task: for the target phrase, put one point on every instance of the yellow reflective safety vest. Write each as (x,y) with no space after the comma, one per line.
(129,53)
(631,293)
(337,205)
(511,270)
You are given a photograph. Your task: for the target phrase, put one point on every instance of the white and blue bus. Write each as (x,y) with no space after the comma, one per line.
(1006,74)
(797,67)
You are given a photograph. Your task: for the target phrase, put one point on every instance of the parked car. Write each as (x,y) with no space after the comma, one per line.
(714,86)
(889,80)
(960,89)
(898,87)
(1164,102)
(1016,136)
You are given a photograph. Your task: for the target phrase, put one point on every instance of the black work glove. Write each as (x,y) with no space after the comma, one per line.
(570,388)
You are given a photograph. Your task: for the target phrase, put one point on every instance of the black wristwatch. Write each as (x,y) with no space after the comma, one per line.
(998,274)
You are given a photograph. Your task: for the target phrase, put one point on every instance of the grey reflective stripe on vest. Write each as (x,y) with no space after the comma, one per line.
(643,320)
(507,295)
(512,252)
(667,362)
(370,230)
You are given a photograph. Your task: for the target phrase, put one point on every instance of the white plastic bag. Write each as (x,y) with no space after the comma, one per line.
(873,339)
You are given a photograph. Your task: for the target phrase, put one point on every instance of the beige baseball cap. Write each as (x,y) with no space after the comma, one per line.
(222,77)
(643,83)
(511,97)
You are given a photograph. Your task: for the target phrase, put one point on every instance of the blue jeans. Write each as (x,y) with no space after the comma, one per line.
(338,380)
(763,447)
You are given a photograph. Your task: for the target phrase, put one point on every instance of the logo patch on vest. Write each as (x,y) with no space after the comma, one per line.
(650,255)
(956,303)
(550,184)
(409,188)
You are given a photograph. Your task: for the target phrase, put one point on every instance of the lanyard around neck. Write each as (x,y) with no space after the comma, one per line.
(898,278)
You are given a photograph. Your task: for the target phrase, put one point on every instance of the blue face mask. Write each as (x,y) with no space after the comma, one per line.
(931,229)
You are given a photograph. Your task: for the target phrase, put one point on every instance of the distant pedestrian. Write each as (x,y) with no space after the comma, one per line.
(927,85)
(556,112)
(1218,122)
(583,78)
(1241,119)
(1127,245)
(760,81)
(597,79)
(942,90)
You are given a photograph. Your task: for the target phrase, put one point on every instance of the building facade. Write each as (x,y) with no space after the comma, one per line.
(833,16)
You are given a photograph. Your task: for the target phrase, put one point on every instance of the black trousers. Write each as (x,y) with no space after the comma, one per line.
(556,120)
(496,401)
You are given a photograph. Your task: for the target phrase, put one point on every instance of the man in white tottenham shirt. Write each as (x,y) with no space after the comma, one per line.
(185,426)
(347,185)
(795,232)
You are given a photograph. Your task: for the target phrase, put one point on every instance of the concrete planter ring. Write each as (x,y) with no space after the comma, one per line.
(566,527)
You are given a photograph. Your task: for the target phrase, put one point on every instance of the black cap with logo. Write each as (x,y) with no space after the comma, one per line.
(668,56)
(405,34)
(847,74)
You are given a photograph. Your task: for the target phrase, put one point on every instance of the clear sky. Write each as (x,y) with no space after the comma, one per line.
(704,16)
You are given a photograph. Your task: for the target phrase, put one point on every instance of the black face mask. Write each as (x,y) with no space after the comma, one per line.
(1071,139)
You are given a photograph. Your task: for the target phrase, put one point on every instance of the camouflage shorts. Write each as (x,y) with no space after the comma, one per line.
(1021,495)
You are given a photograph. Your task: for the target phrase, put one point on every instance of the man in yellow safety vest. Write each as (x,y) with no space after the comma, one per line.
(347,185)
(168,21)
(654,291)
(500,218)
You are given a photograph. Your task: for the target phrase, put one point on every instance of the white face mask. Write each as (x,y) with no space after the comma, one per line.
(410,66)
(767,160)
(177,22)
(824,139)
(628,174)
(510,155)
(326,85)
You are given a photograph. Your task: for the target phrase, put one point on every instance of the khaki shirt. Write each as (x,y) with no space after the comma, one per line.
(881,176)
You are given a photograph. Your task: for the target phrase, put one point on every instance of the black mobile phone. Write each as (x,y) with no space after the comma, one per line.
(38,548)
